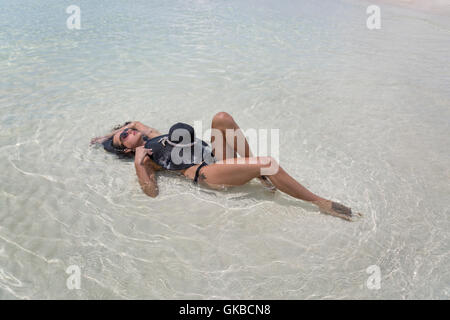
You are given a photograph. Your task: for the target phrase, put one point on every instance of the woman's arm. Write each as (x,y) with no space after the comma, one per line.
(145,172)
(109,135)
(148,131)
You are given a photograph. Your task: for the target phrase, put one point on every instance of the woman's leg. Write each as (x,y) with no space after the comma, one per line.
(235,174)
(228,140)
(225,146)
(222,173)
(228,146)
(231,174)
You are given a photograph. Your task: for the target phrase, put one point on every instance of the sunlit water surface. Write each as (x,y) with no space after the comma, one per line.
(363,118)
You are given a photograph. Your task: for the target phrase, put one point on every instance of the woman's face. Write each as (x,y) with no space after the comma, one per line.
(130,138)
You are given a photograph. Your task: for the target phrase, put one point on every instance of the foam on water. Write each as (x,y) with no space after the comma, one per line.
(363,118)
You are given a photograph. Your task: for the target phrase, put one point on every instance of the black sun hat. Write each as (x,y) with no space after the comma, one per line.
(179,149)
(109,146)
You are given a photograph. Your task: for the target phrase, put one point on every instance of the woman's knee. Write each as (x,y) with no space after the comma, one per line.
(269,166)
(266,160)
(222,119)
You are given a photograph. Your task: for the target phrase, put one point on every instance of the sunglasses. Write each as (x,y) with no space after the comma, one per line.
(124,134)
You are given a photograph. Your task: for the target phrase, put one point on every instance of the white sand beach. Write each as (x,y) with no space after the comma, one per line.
(362,118)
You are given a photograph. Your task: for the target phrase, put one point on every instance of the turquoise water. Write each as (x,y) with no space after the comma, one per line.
(363,118)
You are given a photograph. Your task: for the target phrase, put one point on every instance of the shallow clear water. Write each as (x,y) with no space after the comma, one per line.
(363,118)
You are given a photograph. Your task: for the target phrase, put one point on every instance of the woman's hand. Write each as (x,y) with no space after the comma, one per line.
(97,140)
(140,154)
(146,173)
(130,125)
(145,130)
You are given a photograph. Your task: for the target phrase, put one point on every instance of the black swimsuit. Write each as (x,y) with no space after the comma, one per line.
(198,171)
(162,155)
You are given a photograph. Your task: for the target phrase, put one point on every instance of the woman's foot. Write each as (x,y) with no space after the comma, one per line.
(336,209)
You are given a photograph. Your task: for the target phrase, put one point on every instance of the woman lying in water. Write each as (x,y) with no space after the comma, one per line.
(220,167)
